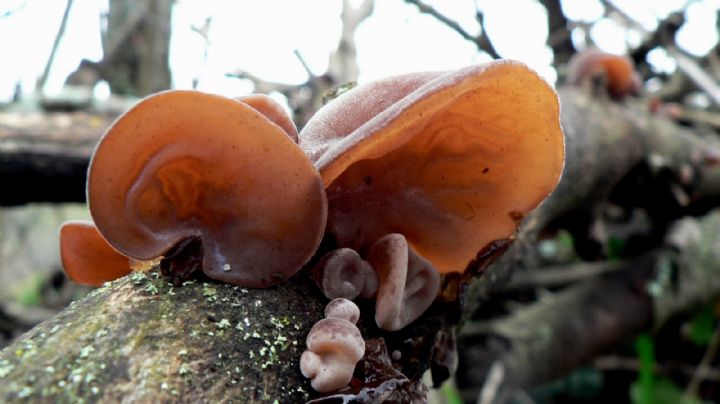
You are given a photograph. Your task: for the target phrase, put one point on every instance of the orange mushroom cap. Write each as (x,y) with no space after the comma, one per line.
(272,111)
(449,160)
(185,164)
(87,258)
(619,71)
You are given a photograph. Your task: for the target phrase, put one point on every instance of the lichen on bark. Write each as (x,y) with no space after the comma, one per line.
(142,339)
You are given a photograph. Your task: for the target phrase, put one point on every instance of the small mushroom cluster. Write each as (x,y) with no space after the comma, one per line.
(410,177)
(424,170)
(334,347)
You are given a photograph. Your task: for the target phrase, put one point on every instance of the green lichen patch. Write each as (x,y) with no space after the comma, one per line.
(142,339)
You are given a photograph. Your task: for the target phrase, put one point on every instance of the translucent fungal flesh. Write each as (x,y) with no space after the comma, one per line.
(87,258)
(450,160)
(187,164)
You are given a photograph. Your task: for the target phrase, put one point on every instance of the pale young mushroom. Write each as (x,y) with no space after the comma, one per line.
(343,309)
(408,283)
(188,165)
(334,347)
(343,273)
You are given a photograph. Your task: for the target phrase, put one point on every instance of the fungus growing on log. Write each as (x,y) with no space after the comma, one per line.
(343,273)
(407,283)
(334,347)
(185,164)
(87,258)
(451,161)
(272,111)
(618,72)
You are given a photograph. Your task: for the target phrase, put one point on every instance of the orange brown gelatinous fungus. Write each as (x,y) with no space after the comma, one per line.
(185,164)
(87,258)
(272,111)
(334,347)
(619,71)
(448,160)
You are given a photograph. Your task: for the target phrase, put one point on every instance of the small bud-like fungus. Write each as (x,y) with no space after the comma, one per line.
(343,273)
(408,283)
(334,347)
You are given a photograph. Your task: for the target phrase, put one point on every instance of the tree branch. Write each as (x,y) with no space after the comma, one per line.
(482,41)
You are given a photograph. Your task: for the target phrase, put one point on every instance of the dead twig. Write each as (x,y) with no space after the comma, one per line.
(482,41)
(704,365)
(56,43)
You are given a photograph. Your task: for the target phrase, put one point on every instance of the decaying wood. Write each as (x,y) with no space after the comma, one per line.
(605,142)
(44,156)
(557,334)
(142,339)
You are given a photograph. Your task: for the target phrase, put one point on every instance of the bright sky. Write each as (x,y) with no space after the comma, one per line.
(260,37)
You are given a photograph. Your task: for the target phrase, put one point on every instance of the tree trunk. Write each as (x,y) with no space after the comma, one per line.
(141,339)
(137,47)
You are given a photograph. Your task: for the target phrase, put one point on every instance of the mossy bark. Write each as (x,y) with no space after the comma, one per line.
(144,340)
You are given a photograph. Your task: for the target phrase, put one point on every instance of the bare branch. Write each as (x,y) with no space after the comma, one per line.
(698,76)
(56,43)
(482,41)
(704,365)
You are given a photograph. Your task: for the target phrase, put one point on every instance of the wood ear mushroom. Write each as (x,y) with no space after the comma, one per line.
(334,347)
(449,160)
(185,165)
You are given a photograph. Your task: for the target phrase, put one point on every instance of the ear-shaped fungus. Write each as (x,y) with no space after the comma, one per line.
(334,346)
(620,75)
(449,160)
(408,283)
(87,258)
(343,273)
(272,111)
(184,164)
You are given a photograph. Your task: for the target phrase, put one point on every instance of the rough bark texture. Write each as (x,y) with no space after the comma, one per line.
(140,339)
(137,47)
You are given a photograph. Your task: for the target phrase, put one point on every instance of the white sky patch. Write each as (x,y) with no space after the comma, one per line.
(582,10)
(699,34)
(25,52)
(398,39)
(609,36)
(260,37)
(661,61)
(520,35)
